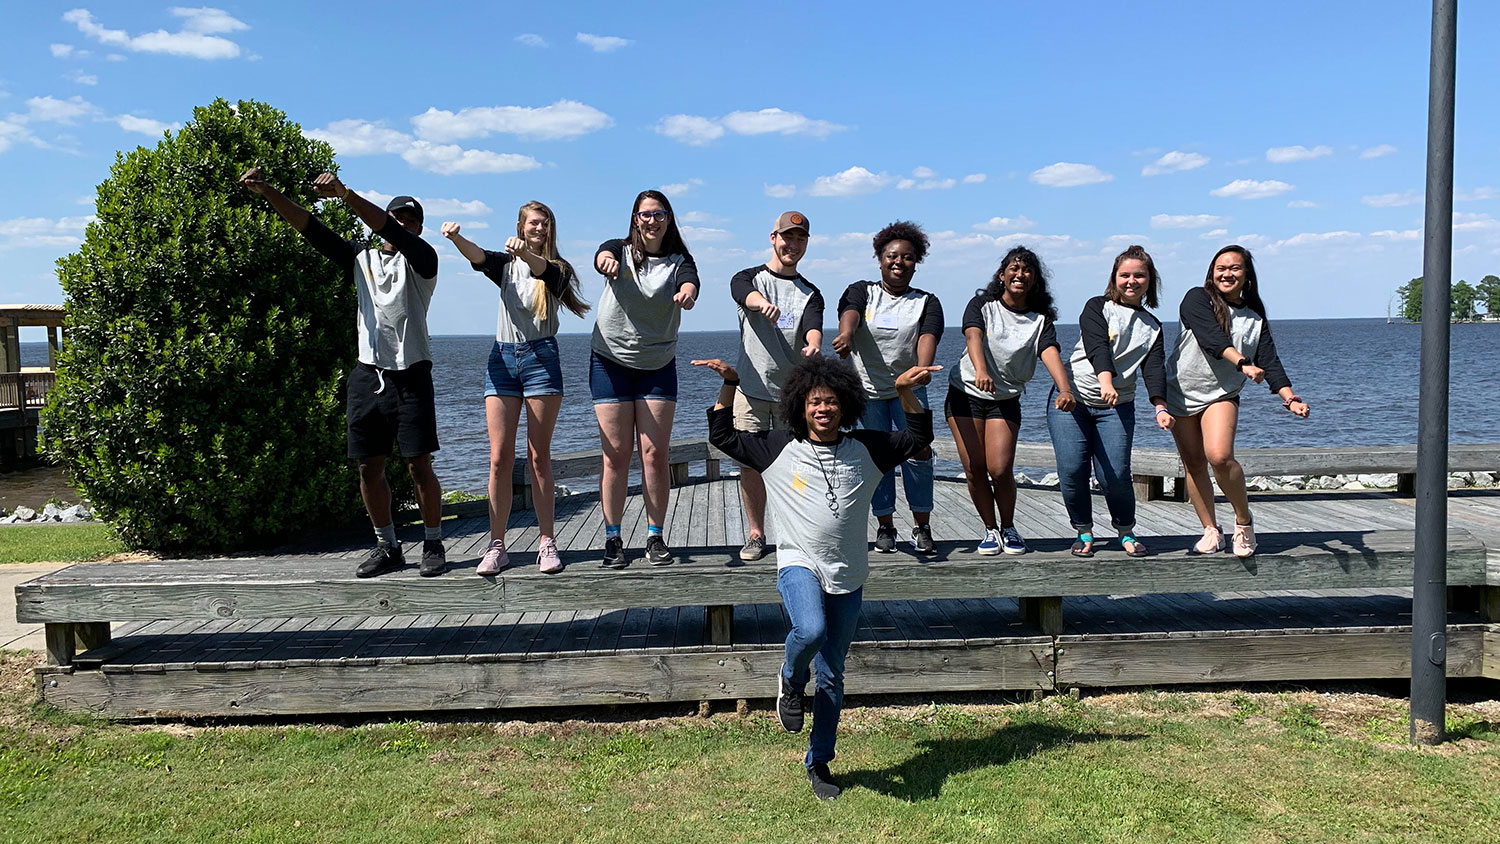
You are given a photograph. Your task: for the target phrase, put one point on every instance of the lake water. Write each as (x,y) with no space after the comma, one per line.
(1359,375)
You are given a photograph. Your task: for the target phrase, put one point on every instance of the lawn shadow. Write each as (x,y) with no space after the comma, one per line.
(921,777)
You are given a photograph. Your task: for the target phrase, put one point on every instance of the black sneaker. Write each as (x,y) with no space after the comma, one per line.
(788,703)
(383,557)
(434,559)
(614,553)
(885,539)
(921,536)
(657,553)
(822,781)
(755,548)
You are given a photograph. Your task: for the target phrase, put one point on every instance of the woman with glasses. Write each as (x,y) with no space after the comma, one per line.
(649,280)
(524,369)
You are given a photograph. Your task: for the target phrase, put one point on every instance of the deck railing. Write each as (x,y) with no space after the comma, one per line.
(25,390)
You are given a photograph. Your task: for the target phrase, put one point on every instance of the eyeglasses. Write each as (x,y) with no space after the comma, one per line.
(651,216)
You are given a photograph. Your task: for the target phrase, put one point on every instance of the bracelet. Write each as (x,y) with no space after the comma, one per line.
(1164,410)
(731,383)
(1244,362)
(1287,403)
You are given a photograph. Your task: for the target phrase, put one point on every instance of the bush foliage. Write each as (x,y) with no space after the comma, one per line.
(199,399)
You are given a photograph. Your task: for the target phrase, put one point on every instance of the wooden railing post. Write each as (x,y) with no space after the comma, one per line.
(720,624)
(1045,613)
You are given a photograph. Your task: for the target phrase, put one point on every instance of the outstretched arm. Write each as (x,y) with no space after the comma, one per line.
(254,180)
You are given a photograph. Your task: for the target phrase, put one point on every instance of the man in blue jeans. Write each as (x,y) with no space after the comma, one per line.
(820,477)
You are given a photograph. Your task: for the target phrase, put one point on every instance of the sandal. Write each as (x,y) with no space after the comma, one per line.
(1083,546)
(1140,547)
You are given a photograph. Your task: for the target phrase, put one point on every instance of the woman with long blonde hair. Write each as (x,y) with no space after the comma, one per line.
(524,369)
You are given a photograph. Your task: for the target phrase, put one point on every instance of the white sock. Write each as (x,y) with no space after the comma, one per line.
(387,535)
(434,533)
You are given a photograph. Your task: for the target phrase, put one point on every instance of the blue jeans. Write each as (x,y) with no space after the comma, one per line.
(524,369)
(916,475)
(1100,436)
(823,625)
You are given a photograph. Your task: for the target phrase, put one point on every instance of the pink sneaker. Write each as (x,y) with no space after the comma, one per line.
(1212,541)
(547,558)
(495,559)
(1244,540)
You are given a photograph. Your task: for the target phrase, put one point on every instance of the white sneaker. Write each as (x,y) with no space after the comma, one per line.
(1244,540)
(1212,541)
(989,546)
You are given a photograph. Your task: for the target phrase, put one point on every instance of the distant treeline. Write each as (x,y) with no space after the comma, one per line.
(1467,300)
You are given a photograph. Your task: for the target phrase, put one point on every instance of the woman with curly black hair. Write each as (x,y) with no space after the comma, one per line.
(819,484)
(1008,327)
(885,328)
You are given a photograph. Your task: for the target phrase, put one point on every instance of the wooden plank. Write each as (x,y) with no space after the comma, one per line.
(623,678)
(662,630)
(720,619)
(745,629)
(553,633)
(1230,657)
(580,630)
(1044,613)
(606,632)
(693,628)
(633,631)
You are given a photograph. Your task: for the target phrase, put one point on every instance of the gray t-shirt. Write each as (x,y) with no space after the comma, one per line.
(1197,374)
(1121,340)
(885,340)
(818,496)
(517,321)
(768,351)
(637,319)
(1013,341)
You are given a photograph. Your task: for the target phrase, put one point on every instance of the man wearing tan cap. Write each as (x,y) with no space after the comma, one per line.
(781,322)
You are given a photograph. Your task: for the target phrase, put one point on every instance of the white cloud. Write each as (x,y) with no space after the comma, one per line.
(81,78)
(53,110)
(60,51)
(62,233)
(700,217)
(1476,194)
(531,39)
(1251,189)
(1003,224)
(1319,238)
(1286,155)
(361,137)
(690,128)
(697,130)
(974,178)
(1186,221)
(601,43)
(1174,162)
(923,173)
(1214,235)
(1473,222)
(562,119)
(432,207)
(451,159)
(705,234)
(1066,174)
(925,178)
(1378,151)
(852,182)
(199,37)
(1408,234)
(1302,203)
(781,191)
(680,188)
(1393,200)
(144,125)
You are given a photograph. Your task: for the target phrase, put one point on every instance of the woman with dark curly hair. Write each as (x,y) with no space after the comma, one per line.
(819,483)
(885,328)
(1119,341)
(1008,327)
(649,280)
(1225,339)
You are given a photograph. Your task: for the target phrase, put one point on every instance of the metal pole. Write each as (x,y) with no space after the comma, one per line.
(1429,661)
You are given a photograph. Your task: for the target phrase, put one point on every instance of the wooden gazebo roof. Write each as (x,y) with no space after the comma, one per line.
(33,315)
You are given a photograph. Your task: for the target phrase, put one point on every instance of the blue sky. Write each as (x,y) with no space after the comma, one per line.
(1297,129)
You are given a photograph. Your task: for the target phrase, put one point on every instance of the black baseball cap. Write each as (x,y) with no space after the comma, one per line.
(407,202)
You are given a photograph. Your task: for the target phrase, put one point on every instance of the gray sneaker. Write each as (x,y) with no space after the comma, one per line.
(885,539)
(921,537)
(657,553)
(755,548)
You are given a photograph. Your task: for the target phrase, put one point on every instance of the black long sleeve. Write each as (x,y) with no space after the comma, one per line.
(932,318)
(333,247)
(1197,313)
(1154,370)
(1267,358)
(1095,331)
(891,449)
(756,450)
(856,297)
(494,264)
(419,253)
(812,317)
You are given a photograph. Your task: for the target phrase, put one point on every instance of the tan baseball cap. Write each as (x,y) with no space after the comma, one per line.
(791,220)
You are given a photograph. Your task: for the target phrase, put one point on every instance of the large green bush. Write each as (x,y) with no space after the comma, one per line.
(198,401)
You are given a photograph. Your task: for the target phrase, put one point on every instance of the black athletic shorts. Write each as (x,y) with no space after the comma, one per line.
(964,406)
(391,405)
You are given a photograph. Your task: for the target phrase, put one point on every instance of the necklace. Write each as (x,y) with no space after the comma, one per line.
(830,478)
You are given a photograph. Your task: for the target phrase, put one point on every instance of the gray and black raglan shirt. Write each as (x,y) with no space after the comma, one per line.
(885,341)
(1123,341)
(394,290)
(769,350)
(518,322)
(1013,342)
(818,495)
(1196,374)
(637,319)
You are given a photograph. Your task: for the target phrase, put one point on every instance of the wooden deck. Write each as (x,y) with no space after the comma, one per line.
(431,659)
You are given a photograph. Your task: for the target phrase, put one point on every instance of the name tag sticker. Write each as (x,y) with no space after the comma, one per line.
(887,321)
(786,320)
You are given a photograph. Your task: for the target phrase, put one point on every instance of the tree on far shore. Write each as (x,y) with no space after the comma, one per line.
(1488,292)
(1411,300)
(1462,298)
(199,400)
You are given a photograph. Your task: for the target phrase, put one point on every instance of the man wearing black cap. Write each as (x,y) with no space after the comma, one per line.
(390,395)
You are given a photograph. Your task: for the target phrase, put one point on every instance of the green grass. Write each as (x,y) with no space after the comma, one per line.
(57,543)
(1251,767)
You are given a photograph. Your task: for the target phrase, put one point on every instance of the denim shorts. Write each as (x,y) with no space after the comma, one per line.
(612,383)
(524,369)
